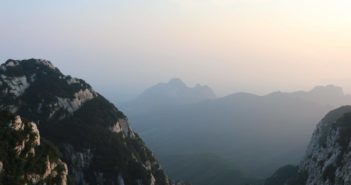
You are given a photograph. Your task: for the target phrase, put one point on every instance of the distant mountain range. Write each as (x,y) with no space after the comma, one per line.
(256,134)
(326,95)
(174,92)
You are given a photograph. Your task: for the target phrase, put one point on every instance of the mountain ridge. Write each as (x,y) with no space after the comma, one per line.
(173,92)
(249,121)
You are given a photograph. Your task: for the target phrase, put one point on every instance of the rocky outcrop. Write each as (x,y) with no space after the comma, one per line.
(327,160)
(20,80)
(80,161)
(122,126)
(73,104)
(24,159)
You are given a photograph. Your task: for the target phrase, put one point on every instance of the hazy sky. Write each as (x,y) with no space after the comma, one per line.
(122,47)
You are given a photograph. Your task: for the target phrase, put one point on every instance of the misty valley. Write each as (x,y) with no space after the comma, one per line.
(55,129)
(175,92)
(241,138)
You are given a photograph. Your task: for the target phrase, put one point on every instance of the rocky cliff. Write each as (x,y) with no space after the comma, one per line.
(327,160)
(26,158)
(95,138)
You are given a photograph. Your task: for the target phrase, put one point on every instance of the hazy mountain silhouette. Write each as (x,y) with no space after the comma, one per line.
(174,92)
(256,133)
(327,95)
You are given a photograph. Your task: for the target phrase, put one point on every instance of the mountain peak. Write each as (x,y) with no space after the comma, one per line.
(173,92)
(328,90)
(176,82)
(329,95)
(41,83)
(39,62)
(87,128)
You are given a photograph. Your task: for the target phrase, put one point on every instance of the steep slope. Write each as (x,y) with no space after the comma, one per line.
(282,175)
(26,158)
(94,136)
(327,160)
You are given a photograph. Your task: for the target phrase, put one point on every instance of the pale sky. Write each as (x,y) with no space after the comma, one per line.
(123,47)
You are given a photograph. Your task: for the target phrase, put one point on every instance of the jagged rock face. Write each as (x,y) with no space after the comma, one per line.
(327,159)
(26,160)
(95,138)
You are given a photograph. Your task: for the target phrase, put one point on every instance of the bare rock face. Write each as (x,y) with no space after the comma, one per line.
(24,159)
(122,126)
(327,160)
